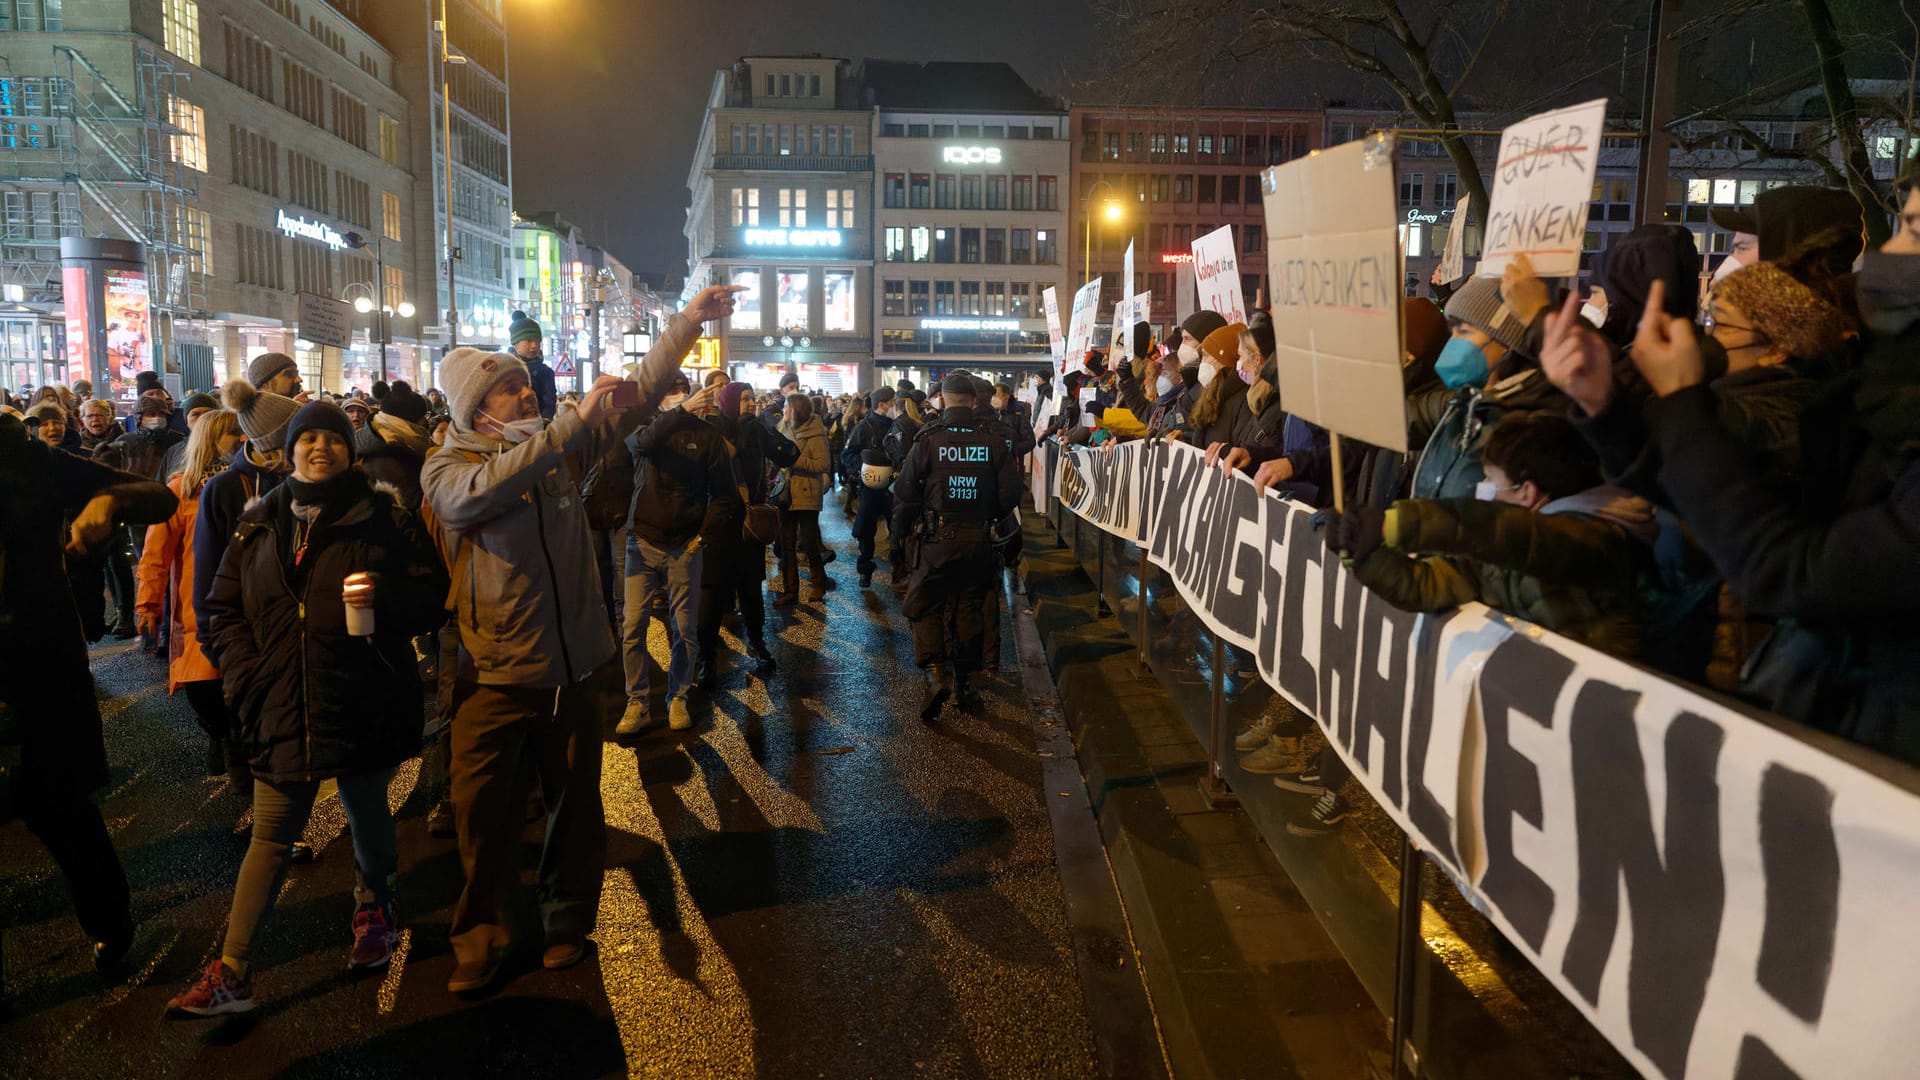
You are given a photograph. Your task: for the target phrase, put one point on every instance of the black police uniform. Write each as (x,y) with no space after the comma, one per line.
(867,445)
(957,480)
(990,420)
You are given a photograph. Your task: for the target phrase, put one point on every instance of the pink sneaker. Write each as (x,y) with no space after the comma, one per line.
(373,937)
(218,991)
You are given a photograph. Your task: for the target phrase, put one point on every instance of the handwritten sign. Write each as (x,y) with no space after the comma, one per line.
(1542,184)
(1117,350)
(1453,260)
(1216,272)
(1056,337)
(1126,273)
(1335,267)
(1080,323)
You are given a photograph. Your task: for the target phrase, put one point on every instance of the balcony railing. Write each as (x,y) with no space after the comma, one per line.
(795,162)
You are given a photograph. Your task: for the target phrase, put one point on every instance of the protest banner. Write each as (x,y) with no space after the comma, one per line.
(1334,260)
(1453,259)
(1721,893)
(1216,275)
(1542,185)
(1080,324)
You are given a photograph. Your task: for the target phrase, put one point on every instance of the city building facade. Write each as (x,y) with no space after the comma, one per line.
(781,205)
(581,296)
(1158,178)
(970,218)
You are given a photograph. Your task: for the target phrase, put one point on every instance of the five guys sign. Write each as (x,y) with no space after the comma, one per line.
(1719,897)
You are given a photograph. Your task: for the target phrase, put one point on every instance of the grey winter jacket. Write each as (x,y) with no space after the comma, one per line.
(526,590)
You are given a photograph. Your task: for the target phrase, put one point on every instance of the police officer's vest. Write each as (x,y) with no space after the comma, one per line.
(961,484)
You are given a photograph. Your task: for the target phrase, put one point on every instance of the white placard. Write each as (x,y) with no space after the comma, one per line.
(1216,273)
(1542,185)
(1453,261)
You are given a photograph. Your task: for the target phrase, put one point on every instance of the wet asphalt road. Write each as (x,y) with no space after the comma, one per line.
(811,883)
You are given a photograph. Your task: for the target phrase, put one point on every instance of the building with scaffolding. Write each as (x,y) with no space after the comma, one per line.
(256,149)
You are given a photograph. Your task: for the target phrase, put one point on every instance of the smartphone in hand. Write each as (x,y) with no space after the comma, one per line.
(626,394)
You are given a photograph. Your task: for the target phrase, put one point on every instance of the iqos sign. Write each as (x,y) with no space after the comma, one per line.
(970,155)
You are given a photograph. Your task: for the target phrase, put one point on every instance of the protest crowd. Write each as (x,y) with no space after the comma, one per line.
(1719,486)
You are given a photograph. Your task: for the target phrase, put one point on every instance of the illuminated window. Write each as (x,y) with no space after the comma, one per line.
(921,247)
(793,299)
(389,139)
(390,215)
(746,305)
(393,289)
(896,244)
(838,307)
(187,146)
(181,19)
(894,298)
(996,298)
(839,208)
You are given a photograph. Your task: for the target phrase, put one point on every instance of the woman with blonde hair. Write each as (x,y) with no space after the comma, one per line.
(167,563)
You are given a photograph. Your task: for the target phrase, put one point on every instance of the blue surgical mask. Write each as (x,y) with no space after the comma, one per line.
(1461,363)
(1163,386)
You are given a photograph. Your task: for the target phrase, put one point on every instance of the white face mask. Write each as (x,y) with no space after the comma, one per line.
(518,431)
(1484,490)
(1163,386)
(1189,354)
(1207,372)
(154,423)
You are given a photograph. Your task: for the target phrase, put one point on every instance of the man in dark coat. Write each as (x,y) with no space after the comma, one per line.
(735,564)
(51,719)
(523,337)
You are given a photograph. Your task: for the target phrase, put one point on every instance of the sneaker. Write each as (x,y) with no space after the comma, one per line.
(216,992)
(1329,810)
(373,937)
(302,853)
(471,975)
(761,657)
(1270,759)
(678,718)
(440,822)
(563,951)
(633,721)
(939,687)
(1256,735)
(1304,782)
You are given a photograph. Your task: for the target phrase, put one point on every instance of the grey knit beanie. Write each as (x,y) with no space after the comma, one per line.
(261,369)
(467,375)
(263,415)
(1478,304)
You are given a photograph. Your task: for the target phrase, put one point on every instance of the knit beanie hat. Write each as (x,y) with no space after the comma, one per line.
(46,409)
(264,367)
(729,398)
(403,403)
(146,380)
(324,416)
(1224,344)
(1786,311)
(522,328)
(469,375)
(263,415)
(200,399)
(1202,323)
(1260,325)
(1478,304)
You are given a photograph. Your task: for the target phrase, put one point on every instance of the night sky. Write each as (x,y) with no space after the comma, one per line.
(608,95)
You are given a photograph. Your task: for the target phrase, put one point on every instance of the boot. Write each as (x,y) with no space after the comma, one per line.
(216,757)
(964,695)
(938,689)
(757,648)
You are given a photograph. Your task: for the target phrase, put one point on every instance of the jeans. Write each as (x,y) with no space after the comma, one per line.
(651,571)
(494,729)
(280,812)
(800,536)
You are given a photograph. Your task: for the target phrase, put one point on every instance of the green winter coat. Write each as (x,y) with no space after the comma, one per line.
(1575,567)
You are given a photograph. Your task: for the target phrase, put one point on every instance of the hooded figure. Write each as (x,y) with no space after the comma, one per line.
(1648,254)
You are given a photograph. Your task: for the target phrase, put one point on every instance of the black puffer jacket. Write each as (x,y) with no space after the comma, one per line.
(313,701)
(683,483)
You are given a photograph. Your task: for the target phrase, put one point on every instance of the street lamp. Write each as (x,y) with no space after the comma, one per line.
(790,339)
(1114,212)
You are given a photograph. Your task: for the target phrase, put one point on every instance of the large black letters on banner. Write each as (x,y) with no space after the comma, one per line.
(1675,903)
(1339,647)
(1299,676)
(1429,817)
(1380,700)
(1802,864)
(1521,676)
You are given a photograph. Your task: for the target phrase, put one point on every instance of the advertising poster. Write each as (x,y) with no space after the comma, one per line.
(839,302)
(1542,187)
(1216,272)
(746,305)
(73,283)
(793,298)
(125,319)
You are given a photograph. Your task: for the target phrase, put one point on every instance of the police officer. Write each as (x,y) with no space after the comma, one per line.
(866,458)
(958,479)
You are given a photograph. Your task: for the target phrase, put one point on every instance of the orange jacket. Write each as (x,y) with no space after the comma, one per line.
(165,564)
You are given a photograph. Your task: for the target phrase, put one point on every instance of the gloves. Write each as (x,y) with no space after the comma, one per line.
(1355,534)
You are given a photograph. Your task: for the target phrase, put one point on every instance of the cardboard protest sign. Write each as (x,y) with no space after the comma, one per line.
(1117,341)
(1216,273)
(1334,260)
(1717,891)
(1126,272)
(1453,260)
(1183,303)
(1080,324)
(1056,337)
(1542,185)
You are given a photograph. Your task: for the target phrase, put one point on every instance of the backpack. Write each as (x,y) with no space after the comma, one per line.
(606,492)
